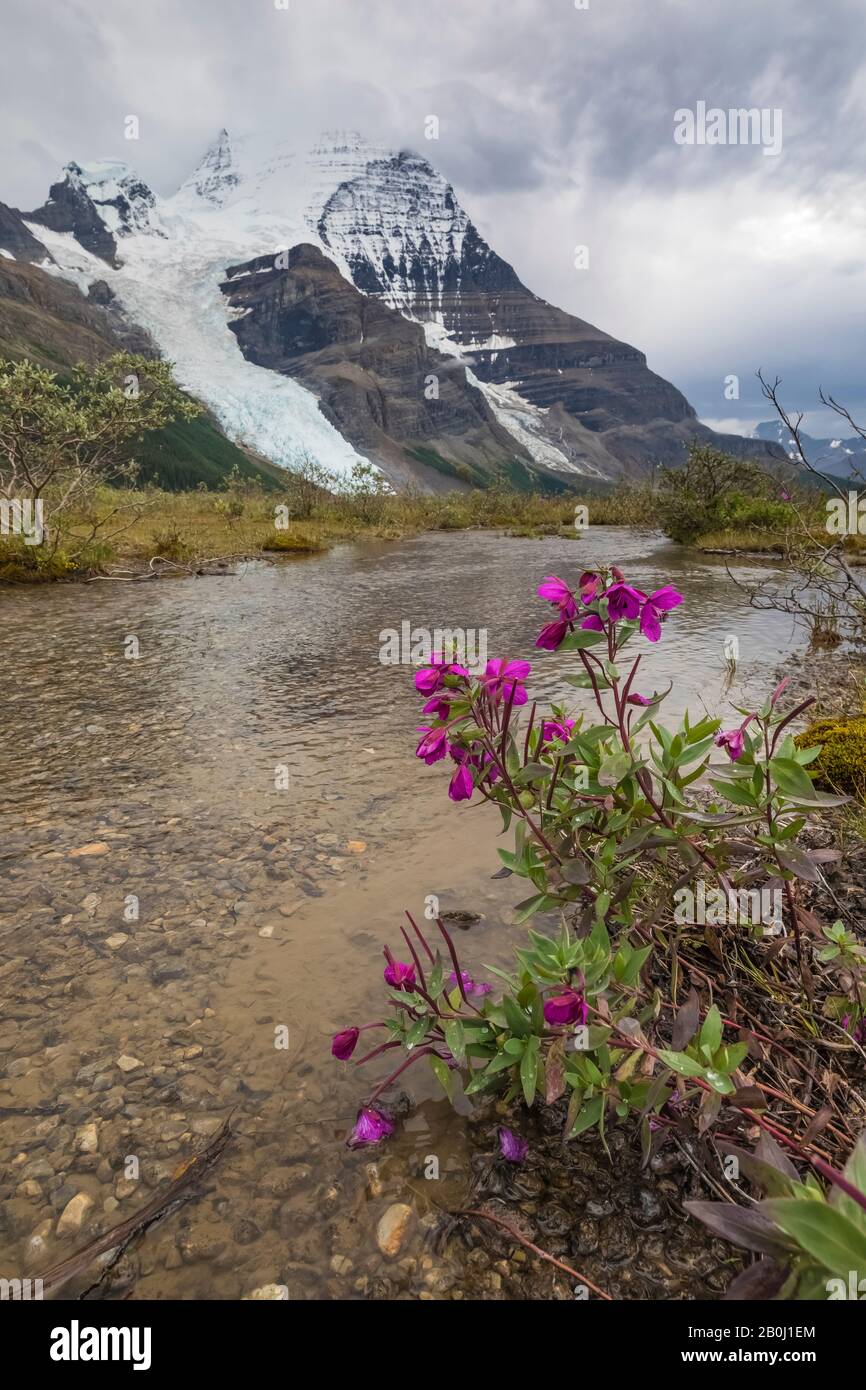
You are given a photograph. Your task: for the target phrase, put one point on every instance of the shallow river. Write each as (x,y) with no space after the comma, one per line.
(167,903)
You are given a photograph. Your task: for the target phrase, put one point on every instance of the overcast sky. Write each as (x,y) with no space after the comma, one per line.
(556,126)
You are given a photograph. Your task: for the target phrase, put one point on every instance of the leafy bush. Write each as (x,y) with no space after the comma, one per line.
(715,492)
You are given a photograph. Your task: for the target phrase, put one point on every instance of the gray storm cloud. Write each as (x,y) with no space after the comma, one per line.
(556,125)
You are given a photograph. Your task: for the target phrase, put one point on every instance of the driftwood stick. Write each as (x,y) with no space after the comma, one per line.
(180,1189)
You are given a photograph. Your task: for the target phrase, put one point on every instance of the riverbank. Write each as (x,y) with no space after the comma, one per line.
(135,532)
(132,533)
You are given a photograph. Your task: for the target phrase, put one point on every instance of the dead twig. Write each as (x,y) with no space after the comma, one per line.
(180,1190)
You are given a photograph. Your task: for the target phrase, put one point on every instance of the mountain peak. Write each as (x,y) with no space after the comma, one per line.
(215,177)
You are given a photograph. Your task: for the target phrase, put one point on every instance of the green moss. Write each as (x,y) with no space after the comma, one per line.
(285,542)
(841,764)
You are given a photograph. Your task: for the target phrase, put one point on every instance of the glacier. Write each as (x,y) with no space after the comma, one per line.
(371,211)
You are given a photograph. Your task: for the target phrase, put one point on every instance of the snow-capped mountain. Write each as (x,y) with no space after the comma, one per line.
(337,303)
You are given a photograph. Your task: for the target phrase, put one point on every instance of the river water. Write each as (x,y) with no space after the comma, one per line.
(204,847)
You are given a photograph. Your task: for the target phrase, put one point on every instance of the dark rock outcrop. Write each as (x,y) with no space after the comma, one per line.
(396,400)
(70,209)
(17,239)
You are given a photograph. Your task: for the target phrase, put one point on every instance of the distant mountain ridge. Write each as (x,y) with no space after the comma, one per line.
(842,456)
(261,276)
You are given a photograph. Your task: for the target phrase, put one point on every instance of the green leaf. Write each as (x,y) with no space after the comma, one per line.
(517,1020)
(529,1070)
(727,1059)
(694,751)
(456,1039)
(855,1172)
(822,1231)
(444,1076)
(736,792)
(418,1031)
(589,1116)
(500,1063)
(541,902)
(719,1082)
(791,779)
(679,1062)
(582,638)
(614,769)
(711,1033)
(436,982)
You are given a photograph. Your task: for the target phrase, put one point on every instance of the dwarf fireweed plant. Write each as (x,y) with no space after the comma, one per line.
(610,815)
(812,1239)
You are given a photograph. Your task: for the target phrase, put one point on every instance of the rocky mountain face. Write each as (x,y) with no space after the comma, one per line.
(405,239)
(310,298)
(17,242)
(50,321)
(375,377)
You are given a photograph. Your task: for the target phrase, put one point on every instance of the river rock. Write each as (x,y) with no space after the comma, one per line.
(74,1214)
(392,1228)
(87,1139)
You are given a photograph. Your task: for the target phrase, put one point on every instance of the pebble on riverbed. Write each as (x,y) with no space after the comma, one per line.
(392,1228)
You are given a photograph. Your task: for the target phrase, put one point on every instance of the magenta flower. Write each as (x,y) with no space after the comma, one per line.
(434,744)
(623,602)
(502,677)
(636,699)
(399,975)
(461,786)
(344,1044)
(512,1147)
(662,601)
(552,636)
(589,585)
(593,623)
(554,728)
(371,1127)
(438,706)
(490,765)
(557,591)
(473,988)
(568,1007)
(432,677)
(732,742)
